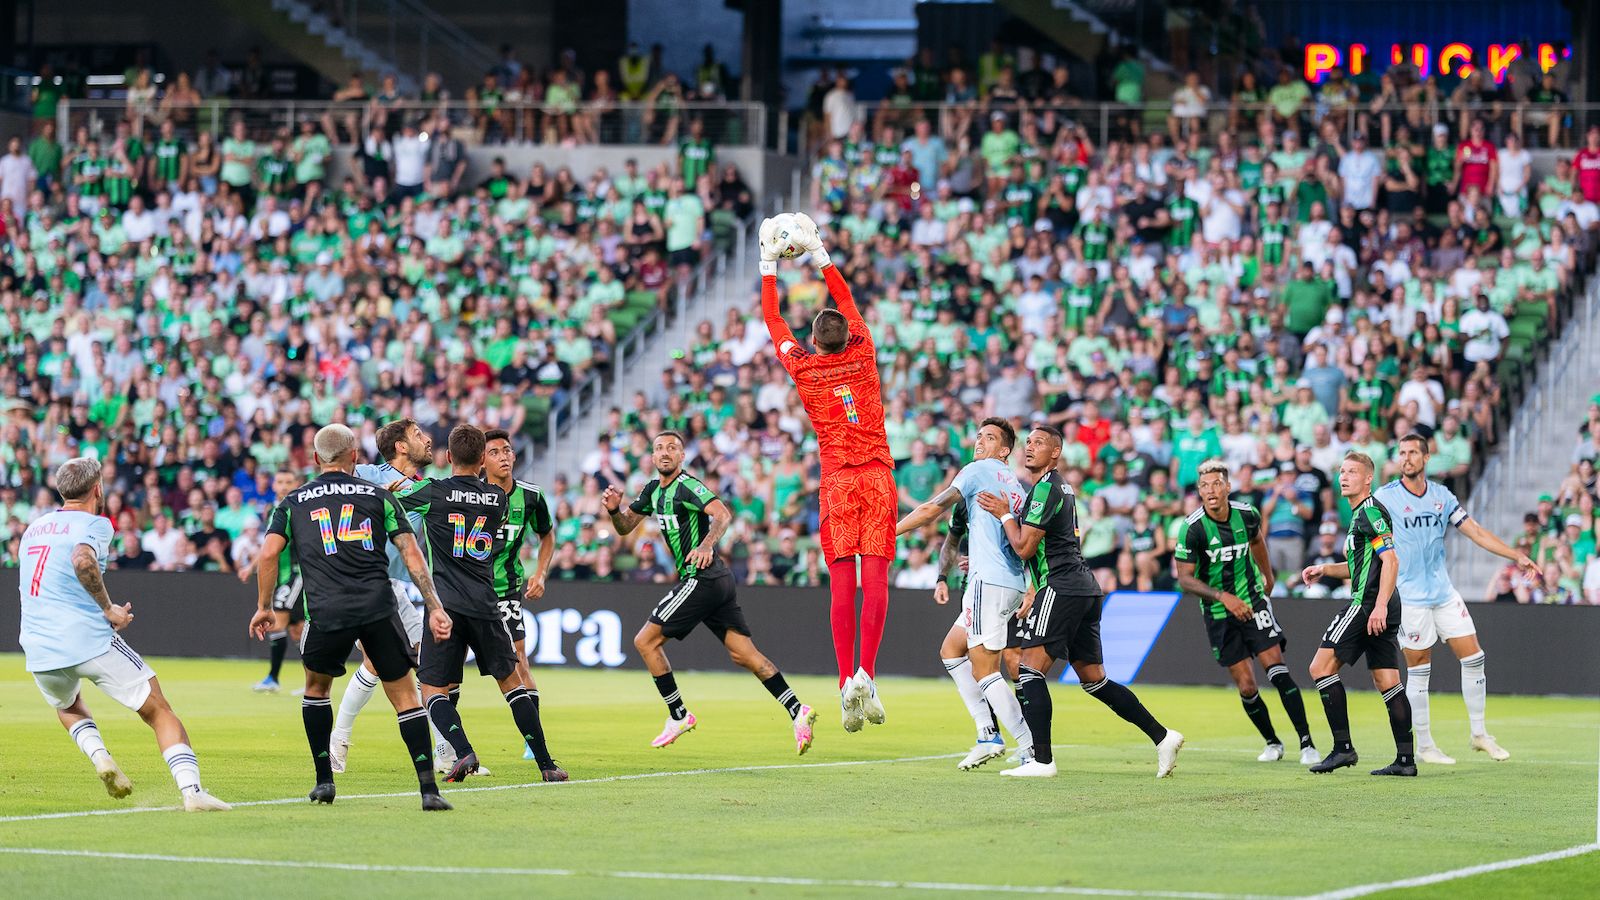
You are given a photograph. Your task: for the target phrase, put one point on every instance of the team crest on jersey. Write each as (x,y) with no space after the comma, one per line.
(1036,508)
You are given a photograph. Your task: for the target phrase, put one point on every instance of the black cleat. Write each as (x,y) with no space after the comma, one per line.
(1405,770)
(550,771)
(464,766)
(322,793)
(1338,759)
(434,802)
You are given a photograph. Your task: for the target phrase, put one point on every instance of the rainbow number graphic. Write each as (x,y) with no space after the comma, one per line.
(476,543)
(848,398)
(330,539)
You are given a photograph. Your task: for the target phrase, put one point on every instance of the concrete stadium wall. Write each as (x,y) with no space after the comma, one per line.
(1532,650)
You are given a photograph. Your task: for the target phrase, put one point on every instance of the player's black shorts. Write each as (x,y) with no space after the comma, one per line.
(1236,640)
(286,598)
(325,651)
(1347,637)
(1067,626)
(511,614)
(700,601)
(441,663)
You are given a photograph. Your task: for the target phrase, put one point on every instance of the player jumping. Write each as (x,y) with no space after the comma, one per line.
(838,383)
(1221,559)
(1430,608)
(69,635)
(692,520)
(1368,626)
(1063,620)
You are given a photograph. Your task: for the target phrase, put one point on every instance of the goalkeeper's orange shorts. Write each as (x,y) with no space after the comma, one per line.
(859,508)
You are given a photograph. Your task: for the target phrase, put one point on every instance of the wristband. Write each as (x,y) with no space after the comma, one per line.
(820,258)
(944,579)
(768,267)
(1008,517)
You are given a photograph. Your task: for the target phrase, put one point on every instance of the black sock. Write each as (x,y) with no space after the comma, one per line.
(1123,702)
(419,745)
(455,696)
(1256,709)
(1333,704)
(1293,703)
(1037,709)
(280,647)
(780,689)
(1400,723)
(317,712)
(525,711)
(668,686)
(448,721)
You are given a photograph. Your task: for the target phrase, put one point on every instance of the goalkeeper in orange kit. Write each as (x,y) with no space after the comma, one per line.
(838,383)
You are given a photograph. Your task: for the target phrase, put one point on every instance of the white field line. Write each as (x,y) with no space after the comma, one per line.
(1362,890)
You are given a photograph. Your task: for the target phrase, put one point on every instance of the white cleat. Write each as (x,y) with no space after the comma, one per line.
(1309,756)
(444,758)
(481,771)
(1433,756)
(871,707)
(200,801)
(338,749)
(1484,743)
(1033,769)
(1167,753)
(982,752)
(850,712)
(117,784)
(1272,753)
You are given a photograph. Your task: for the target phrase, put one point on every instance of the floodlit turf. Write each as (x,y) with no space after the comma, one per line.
(1223,824)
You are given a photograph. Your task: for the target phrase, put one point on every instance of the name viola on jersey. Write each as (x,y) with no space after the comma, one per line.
(481,497)
(336,487)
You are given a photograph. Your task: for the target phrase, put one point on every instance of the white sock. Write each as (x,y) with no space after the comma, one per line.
(185,768)
(1004,703)
(1475,691)
(1417,692)
(961,673)
(86,735)
(355,698)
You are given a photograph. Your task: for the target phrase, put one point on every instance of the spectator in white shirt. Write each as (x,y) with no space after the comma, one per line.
(1222,214)
(928,230)
(1360,170)
(839,110)
(1516,168)
(17,176)
(1036,308)
(138,223)
(1188,106)
(1484,329)
(165,543)
(1428,394)
(919,572)
(410,161)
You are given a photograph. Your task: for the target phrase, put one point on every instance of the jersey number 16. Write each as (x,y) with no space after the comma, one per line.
(476,543)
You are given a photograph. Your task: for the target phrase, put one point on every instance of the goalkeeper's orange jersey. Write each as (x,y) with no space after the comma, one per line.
(841,391)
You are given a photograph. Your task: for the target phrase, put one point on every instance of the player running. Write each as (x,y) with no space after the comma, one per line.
(288,614)
(1063,620)
(405,448)
(526,509)
(69,635)
(692,520)
(1368,626)
(1430,607)
(1221,560)
(460,516)
(838,383)
(995,582)
(337,529)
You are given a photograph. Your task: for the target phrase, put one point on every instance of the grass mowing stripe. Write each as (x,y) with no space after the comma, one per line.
(1362,890)
(775,880)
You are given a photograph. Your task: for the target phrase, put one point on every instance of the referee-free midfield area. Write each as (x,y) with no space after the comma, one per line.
(707,816)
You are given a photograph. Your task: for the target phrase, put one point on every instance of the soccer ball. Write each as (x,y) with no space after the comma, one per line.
(786,235)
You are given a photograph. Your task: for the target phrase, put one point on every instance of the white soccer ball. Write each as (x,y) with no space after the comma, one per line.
(786,235)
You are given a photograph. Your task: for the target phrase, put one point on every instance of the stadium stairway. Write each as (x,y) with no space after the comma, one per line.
(1079,30)
(1535,451)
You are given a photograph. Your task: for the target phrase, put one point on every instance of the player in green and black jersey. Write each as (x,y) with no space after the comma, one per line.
(1221,560)
(460,516)
(289,614)
(692,519)
(526,510)
(1062,621)
(337,529)
(1369,626)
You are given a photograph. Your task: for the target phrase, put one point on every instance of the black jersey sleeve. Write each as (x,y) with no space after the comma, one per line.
(641,503)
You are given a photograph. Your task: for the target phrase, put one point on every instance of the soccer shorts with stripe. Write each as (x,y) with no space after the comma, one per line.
(859,505)
(987,614)
(1347,637)
(325,651)
(1235,640)
(701,601)
(119,672)
(442,663)
(1066,625)
(1423,626)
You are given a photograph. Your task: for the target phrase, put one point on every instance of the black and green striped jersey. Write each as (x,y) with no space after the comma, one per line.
(168,158)
(460,516)
(1220,552)
(1371,535)
(1185,215)
(338,529)
(526,509)
(1096,237)
(1058,563)
(679,509)
(1274,242)
(275,173)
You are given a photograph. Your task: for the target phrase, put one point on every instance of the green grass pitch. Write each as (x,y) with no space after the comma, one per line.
(712,819)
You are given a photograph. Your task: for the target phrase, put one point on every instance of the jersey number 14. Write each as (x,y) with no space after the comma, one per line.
(331,538)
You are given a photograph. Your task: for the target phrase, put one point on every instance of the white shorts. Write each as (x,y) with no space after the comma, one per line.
(986,614)
(406,597)
(1423,626)
(119,672)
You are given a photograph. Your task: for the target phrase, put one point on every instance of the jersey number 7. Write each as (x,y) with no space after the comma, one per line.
(847,398)
(330,539)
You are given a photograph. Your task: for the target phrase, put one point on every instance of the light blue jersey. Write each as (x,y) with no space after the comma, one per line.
(62,625)
(1419,526)
(990,558)
(384,475)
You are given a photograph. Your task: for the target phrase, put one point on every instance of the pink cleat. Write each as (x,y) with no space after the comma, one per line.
(806,718)
(674,729)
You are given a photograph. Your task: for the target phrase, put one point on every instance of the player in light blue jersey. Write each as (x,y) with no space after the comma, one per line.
(1430,608)
(996,580)
(69,635)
